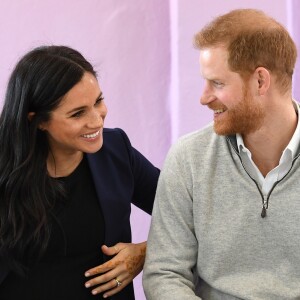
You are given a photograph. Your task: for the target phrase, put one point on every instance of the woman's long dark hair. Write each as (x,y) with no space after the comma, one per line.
(27,193)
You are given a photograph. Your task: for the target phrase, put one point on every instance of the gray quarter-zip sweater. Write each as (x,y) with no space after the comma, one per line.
(208,239)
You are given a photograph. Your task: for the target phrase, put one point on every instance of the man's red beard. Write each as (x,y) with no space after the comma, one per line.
(245,117)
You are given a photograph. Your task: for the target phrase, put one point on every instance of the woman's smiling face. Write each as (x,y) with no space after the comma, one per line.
(76,125)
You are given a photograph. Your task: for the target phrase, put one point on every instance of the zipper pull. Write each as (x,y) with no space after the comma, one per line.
(264,208)
(263,212)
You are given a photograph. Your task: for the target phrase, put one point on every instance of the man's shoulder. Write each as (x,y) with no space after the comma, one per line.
(198,143)
(199,138)
(202,134)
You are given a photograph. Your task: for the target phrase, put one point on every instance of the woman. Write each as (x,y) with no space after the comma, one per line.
(66,185)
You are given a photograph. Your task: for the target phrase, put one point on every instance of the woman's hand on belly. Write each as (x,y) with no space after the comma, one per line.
(118,272)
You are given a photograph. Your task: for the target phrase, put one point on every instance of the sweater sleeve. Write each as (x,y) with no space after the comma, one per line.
(172,245)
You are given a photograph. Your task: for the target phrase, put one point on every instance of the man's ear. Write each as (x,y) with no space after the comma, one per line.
(263,79)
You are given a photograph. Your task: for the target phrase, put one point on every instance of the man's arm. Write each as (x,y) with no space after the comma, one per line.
(172,246)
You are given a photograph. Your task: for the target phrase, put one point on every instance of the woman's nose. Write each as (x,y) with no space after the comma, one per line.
(97,117)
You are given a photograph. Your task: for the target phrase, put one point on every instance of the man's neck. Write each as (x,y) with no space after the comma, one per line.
(267,144)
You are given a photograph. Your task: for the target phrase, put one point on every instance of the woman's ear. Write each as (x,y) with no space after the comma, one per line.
(30,116)
(263,79)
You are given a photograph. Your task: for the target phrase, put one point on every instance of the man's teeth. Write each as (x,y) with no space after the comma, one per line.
(90,136)
(218,111)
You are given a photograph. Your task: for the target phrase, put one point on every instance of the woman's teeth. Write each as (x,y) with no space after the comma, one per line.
(91,136)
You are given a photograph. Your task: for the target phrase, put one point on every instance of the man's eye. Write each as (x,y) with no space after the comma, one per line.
(218,83)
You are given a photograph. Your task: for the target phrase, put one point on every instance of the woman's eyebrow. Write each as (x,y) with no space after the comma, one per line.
(84,106)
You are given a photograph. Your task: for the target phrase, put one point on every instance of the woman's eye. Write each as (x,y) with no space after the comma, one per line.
(99,100)
(77,114)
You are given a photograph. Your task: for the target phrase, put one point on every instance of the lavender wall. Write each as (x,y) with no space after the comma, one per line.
(148,68)
(294,26)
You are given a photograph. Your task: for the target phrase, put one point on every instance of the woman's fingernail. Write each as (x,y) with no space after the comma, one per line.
(87,274)
(87,285)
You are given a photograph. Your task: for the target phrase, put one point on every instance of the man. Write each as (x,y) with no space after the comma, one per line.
(226,219)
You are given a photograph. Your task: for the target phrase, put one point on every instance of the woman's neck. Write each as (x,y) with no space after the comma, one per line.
(63,165)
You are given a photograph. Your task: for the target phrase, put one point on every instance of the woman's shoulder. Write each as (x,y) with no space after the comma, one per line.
(115,135)
(116,149)
(115,143)
(112,130)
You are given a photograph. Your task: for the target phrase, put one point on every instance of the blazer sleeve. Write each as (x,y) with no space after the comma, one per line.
(145,177)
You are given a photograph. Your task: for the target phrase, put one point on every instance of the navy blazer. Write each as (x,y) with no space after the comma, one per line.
(121,176)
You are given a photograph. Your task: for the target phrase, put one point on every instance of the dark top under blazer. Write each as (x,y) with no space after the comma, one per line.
(121,176)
